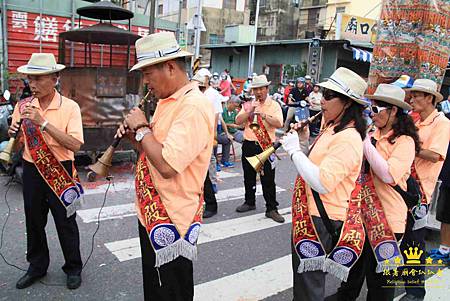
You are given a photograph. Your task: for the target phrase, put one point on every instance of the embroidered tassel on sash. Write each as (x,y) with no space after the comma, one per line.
(163,234)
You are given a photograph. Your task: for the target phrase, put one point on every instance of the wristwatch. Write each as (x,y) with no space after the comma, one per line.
(141,133)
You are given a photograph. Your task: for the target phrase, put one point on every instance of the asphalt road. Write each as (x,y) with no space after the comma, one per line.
(241,256)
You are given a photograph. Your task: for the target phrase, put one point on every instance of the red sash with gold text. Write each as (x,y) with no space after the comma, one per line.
(261,134)
(307,243)
(67,188)
(163,234)
(381,237)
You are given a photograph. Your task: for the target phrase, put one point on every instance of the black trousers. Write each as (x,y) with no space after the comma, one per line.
(364,268)
(38,199)
(249,149)
(415,285)
(172,281)
(208,193)
(310,286)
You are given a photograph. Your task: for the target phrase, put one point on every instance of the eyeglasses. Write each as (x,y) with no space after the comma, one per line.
(330,94)
(378,110)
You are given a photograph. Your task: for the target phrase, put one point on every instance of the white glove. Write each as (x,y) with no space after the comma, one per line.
(291,143)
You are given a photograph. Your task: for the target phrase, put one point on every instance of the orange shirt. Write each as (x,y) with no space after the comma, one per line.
(399,157)
(339,158)
(64,114)
(183,124)
(269,107)
(434,133)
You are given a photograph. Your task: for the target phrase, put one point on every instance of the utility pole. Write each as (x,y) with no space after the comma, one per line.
(151,25)
(252,49)
(197,28)
(180,9)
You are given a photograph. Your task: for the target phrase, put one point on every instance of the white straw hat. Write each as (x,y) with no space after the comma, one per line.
(259,81)
(41,64)
(348,83)
(391,94)
(157,48)
(426,86)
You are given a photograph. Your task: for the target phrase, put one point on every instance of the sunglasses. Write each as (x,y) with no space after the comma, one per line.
(330,94)
(378,110)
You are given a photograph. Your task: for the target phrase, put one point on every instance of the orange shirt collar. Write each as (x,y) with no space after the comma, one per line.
(429,120)
(180,92)
(377,134)
(54,104)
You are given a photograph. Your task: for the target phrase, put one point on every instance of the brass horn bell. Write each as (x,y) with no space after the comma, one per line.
(103,164)
(257,161)
(254,125)
(5,155)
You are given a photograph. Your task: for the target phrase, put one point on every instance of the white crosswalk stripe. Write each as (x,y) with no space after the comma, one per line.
(130,249)
(126,210)
(256,283)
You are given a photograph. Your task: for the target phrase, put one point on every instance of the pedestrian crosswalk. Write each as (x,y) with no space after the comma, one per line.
(264,282)
(269,276)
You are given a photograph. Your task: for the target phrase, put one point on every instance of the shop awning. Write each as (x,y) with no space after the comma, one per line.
(361,55)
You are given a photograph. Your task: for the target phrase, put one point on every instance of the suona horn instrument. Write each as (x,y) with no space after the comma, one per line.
(5,155)
(257,161)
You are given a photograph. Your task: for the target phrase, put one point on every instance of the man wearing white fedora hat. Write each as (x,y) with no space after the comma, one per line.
(51,124)
(434,134)
(175,153)
(269,116)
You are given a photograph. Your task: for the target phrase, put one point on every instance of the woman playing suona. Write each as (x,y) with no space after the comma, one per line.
(329,169)
(389,154)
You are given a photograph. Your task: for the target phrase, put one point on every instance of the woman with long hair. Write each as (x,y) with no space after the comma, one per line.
(389,154)
(328,170)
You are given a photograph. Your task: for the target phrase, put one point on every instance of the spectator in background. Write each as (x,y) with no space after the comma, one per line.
(298,94)
(229,130)
(215,81)
(287,91)
(405,82)
(314,99)
(308,84)
(225,86)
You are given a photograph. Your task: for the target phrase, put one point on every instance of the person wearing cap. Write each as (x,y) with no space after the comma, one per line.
(327,174)
(405,82)
(314,99)
(175,150)
(308,84)
(389,153)
(215,81)
(53,131)
(287,91)
(434,134)
(225,86)
(298,94)
(269,117)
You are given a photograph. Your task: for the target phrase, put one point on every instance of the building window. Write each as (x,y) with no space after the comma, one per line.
(315,2)
(262,3)
(231,4)
(313,17)
(184,3)
(297,3)
(160,9)
(340,9)
(215,39)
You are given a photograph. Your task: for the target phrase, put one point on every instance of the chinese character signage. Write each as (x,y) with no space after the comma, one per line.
(30,32)
(355,28)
